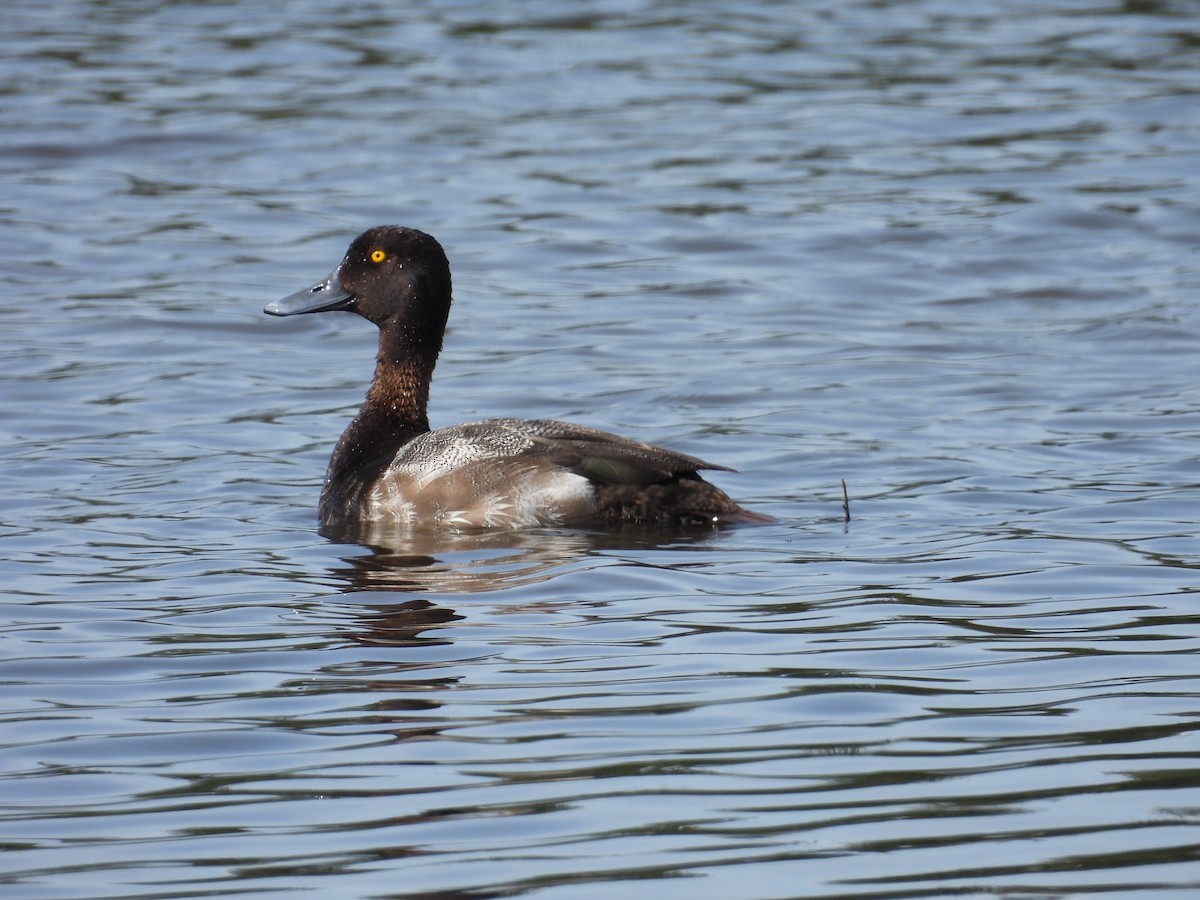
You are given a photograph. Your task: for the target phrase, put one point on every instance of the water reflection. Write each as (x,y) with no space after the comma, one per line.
(402,624)
(382,561)
(402,559)
(407,560)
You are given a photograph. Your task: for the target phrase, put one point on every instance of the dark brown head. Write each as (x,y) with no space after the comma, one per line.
(396,277)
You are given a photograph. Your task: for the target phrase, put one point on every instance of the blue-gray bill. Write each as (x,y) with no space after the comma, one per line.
(323,296)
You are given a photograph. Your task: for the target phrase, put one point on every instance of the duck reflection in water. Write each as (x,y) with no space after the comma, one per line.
(400,559)
(390,565)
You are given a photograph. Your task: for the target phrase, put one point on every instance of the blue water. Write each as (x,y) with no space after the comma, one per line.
(945,252)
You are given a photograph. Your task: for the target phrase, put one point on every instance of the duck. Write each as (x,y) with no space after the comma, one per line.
(390,467)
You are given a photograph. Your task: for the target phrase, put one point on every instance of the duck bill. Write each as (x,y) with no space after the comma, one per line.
(323,296)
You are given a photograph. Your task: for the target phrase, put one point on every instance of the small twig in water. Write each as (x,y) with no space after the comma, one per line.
(845,501)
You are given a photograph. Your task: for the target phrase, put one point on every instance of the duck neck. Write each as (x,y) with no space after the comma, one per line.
(393,414)
(399,393)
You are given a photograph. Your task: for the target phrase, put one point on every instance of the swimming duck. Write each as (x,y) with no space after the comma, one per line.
(389,466)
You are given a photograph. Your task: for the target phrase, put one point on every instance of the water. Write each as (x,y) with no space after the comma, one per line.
(946,252)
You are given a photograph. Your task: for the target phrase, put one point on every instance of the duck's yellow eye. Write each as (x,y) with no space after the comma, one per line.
(378,256)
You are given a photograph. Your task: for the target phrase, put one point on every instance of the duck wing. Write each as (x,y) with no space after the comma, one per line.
(599,455)
(518,472)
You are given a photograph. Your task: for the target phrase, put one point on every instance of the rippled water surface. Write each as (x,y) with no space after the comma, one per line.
(946,252)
